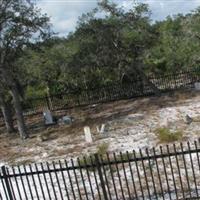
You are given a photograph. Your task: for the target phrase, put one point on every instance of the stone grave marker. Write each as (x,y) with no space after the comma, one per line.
(65,120)
(48,118)
(88,135)
(197,86)
(101,129)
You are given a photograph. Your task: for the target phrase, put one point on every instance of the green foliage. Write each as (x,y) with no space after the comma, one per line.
(102,149)
(87,160)
(21,26)
(102,49)
(98,53)
(34,91)
(177,45)
(165,135)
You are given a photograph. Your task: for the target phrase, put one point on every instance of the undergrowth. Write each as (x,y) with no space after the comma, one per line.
(165,135)
(102,149)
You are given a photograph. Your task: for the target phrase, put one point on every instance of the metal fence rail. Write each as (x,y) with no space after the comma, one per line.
(169,172)
(116,91)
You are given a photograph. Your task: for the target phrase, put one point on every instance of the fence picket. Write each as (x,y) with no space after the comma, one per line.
(166,173)
(114,91)
(98,163)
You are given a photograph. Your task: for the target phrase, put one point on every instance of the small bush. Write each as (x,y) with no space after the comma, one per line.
(87,160)
(102,149)
(90,159)
(165,135)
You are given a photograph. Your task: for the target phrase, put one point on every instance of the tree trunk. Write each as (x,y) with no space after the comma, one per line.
(138,68)
(151,85)
(19,112)
(7,115)
(16,101)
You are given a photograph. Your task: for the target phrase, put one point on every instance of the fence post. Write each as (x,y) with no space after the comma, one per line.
(5,176)
(97,161)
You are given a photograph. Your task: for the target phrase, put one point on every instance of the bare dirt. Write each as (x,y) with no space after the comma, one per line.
(130,124)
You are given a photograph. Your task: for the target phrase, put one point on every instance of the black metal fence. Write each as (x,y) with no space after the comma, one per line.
(169,172)
(112,92)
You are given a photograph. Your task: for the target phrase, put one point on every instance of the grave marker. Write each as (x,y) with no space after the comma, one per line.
(48,118)
(88,135)
(197,86)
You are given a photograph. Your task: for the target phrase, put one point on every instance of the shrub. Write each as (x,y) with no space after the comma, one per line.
(165,135)
(87,160)
(90,159)
(102,149)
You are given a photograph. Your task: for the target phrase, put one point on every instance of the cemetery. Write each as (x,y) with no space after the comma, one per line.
(99,100)
(122,125)
(116,127)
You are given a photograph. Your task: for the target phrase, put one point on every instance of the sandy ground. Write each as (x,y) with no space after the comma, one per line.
(129,124)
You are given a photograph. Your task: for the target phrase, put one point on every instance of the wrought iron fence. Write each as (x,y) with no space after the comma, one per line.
(169,172)
(115,91)
(112,92)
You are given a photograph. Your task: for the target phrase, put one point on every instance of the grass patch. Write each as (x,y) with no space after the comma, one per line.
(165,135)
(102,149)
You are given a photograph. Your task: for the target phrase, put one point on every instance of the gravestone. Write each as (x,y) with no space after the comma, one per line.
(88,135)
(197,86)
(65,120)
(101,129)
(188,119)
(48,118)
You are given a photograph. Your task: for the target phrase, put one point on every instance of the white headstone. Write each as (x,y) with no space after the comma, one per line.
(88,135)
(48,117)
(197,85)
(101,129)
